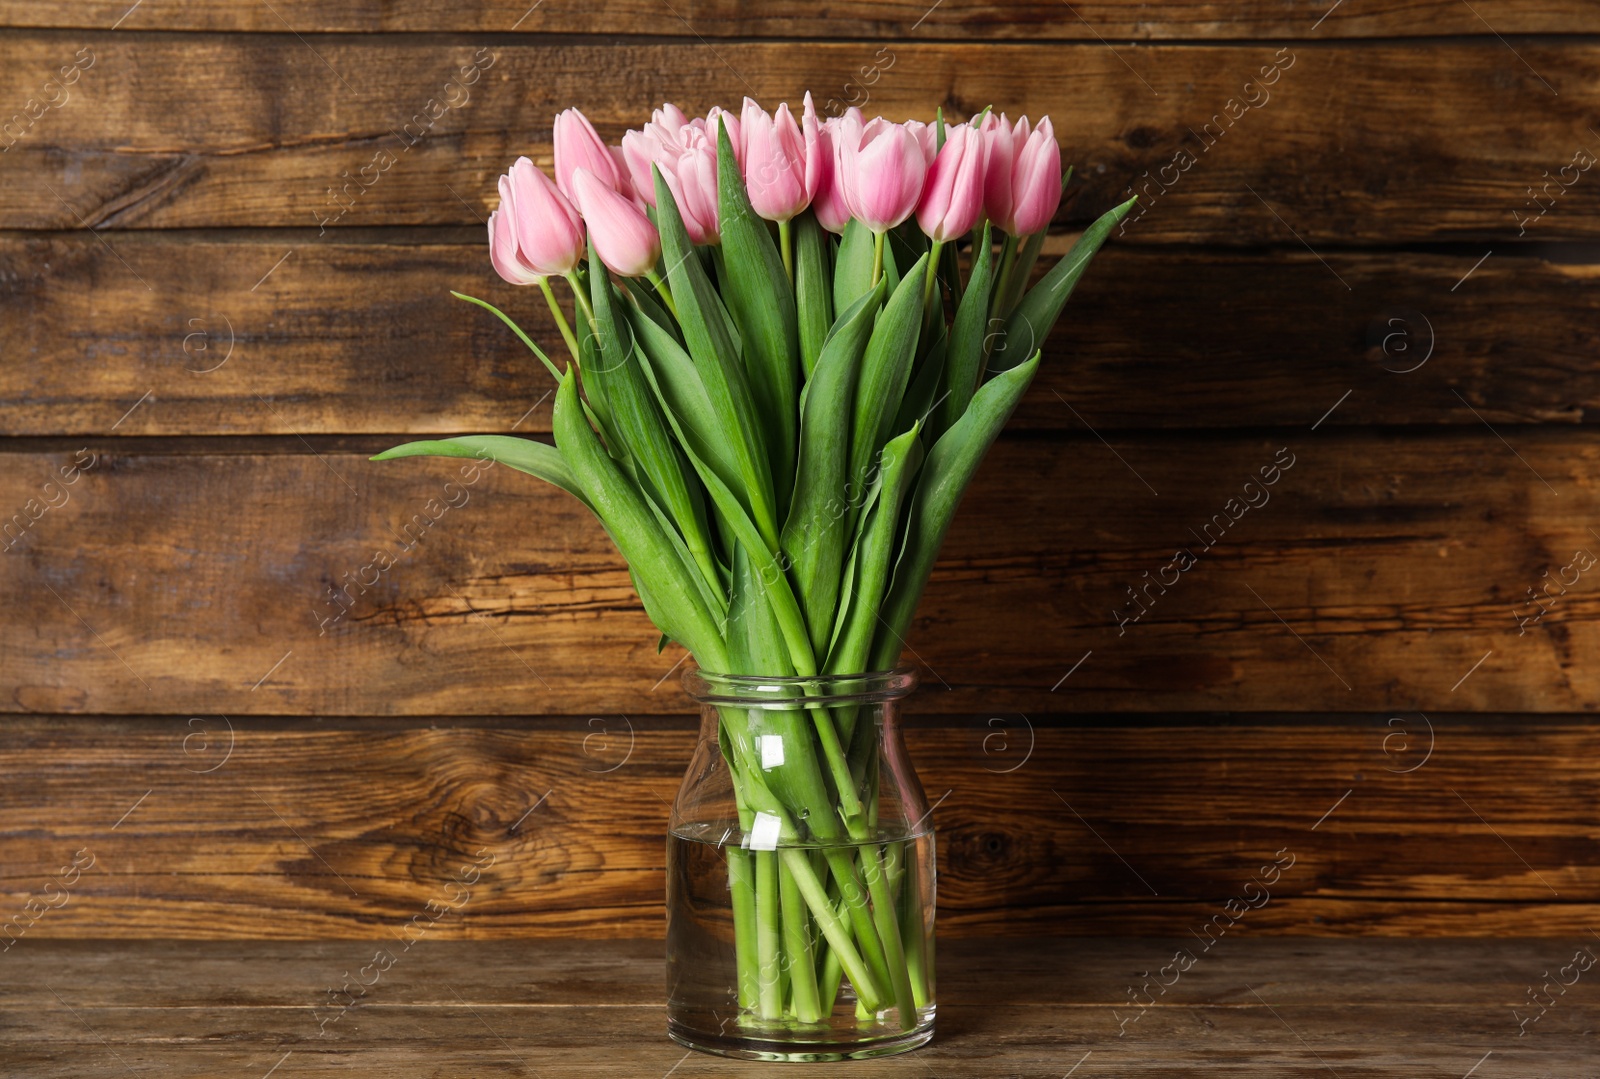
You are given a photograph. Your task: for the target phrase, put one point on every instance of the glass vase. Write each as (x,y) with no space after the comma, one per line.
(800,873)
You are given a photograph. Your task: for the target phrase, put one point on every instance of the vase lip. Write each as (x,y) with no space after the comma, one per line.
(756,689)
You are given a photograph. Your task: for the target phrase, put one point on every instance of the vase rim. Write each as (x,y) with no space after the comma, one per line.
(754,689)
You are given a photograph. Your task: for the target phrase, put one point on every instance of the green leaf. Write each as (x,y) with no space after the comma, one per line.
(852,268)
(536,350)
(926,382)
(885,369)
(965,353)
(813,288)
(522,454)
(740,530)
(638,422)
(1036,315)
(762,304)
(710,342)
(815,531)
(671,597)
(949,468)
(677,384)
(592,373)
(873,559)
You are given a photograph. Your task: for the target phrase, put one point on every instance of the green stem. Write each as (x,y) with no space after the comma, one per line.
(769,1003)
(877,258)
(932,312)
(797,949)
(581,294)
(866,930)
(786,245)
(1026,258)
(888,925)
(832,925)
(741,882)
(1008,248)
(760,799)
(561,318)
(914,929)
(662,288)
(932,276)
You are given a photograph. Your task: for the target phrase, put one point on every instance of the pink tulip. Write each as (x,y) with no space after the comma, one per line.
(883,174)
(997,166)
(623,236)
(683,151)
(660,140)
(832,210)
(1036,181)
(735,136)
(1022,188)
(953,196)
(578,146)
(697,190)
(547,228)
(927,138)
(781,171)
(503,253)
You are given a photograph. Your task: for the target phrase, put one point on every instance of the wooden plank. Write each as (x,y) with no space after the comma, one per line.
(1271,1008)
(912,19)
(213,130)
(204,827)
(352,337)
(1380,571)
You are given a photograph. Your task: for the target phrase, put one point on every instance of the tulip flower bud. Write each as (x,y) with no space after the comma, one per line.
(696,189)
(578,146)
(833,212)
(998,161)
(778,170)
(1035,181)
(503,253)
(883,174)
(953,196)
(548,230)
(623,236)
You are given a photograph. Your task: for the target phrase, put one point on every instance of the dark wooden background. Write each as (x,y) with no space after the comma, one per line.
(1357,272)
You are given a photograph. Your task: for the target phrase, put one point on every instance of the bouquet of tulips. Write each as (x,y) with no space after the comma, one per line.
(792,345)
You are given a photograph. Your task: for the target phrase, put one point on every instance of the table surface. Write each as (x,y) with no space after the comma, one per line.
(1014,1008)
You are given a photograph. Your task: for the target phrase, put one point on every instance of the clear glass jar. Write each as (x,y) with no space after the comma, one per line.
(800,873)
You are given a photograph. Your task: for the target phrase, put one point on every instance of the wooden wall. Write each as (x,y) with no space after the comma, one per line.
(1348,275)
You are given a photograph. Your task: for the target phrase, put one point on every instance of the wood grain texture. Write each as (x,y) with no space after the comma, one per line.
(1262,1009)
(214,130)
(201,827)
(913,19)
(355,337)
(1380,573)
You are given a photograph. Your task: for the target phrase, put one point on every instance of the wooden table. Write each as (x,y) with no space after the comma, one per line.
(1043,1008)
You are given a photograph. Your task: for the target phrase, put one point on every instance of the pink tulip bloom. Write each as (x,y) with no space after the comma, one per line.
(927,138)
(503,253)
(953,196)
(623,236)
(1022,189)
(829,203)
(546,227)
(683,151)
(997,166)
(578,146)
(780,171)
(661,140)
(696,189)
(883,174)
(735,135)
(1036,181)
